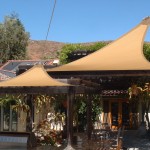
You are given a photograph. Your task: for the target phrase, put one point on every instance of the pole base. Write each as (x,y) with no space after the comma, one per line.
(69,147)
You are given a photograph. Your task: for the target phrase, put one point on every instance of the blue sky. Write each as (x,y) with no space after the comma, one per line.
(78,21)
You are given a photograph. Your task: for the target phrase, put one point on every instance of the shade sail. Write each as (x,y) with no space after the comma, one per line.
(34,77)
(125,53)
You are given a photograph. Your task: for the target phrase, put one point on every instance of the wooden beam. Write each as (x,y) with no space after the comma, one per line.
(99,73)
(45,90)
(34,90)
(80,82)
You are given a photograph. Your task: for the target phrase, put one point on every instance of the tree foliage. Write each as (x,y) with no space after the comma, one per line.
(13,39)
(69,48)
(141,93)
(146,51)
(80,109)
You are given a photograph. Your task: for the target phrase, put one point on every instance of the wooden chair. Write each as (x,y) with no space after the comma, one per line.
(116,141)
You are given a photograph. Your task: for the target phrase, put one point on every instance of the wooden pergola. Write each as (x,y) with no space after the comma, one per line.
(115,66)
(36,80)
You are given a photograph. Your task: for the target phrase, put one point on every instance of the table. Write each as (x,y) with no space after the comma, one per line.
(100,134)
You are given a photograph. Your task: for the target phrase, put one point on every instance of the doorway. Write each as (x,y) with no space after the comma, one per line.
(119,113)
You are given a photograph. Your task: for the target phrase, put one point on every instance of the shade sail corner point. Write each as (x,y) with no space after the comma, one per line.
(146,21)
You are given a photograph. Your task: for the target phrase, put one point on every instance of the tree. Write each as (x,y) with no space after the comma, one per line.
(146,103)
(136,94)
(80,110)
(146,51)
(69,48)
(134,97)
(13,39)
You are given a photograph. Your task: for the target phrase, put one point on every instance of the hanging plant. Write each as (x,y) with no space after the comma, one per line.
(40,100)
(17,102)
(21,106)
(5,99)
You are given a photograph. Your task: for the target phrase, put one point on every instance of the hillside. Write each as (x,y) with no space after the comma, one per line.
(43,50)
(46,50)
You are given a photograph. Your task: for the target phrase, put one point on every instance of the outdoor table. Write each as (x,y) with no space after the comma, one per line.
(100,134)
(101,141)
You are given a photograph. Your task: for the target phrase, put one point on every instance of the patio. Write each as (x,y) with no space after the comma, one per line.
(131,141)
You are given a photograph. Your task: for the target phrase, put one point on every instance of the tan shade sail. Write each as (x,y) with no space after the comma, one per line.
(34,77)
(125,53)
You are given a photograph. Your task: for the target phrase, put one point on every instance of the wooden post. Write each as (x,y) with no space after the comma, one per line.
(30,117)
(89,116)
(70,98)
(2,119)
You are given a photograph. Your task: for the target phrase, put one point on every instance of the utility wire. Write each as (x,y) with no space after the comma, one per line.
(50,22)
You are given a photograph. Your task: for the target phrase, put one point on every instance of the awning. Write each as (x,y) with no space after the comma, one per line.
(34,77)
(125,53)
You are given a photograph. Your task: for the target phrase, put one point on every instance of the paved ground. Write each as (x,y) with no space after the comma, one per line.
(132,141)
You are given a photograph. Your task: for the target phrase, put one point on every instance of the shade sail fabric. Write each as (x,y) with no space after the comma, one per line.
(34,77)
(125,53)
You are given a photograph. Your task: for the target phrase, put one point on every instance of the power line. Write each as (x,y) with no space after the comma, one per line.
(50,20)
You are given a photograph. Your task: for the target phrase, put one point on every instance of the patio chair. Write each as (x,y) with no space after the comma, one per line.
(116,140)
(102,139)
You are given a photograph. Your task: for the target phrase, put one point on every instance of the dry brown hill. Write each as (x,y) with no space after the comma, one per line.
(43,50)
(46,50)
